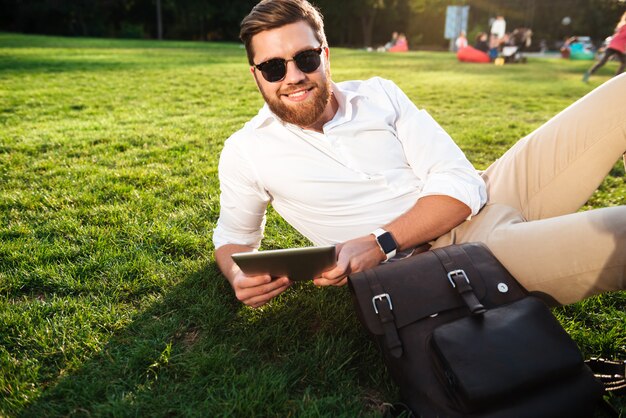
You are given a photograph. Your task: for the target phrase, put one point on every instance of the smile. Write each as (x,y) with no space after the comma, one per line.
(298,95)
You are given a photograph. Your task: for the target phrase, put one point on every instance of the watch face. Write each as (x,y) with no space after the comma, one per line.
(387,243)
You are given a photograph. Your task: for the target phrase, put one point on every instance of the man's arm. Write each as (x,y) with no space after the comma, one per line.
(243,202)
(251,290)
(431,217)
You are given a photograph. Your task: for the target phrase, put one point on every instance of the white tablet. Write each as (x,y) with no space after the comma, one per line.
(304,263)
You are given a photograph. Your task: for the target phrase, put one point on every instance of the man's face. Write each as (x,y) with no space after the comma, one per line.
(299,98)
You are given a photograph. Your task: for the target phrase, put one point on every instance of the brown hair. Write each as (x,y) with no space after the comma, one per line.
(272,14)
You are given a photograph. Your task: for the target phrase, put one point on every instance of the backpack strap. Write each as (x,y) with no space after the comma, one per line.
(382,305)
(453,258)
(612,374)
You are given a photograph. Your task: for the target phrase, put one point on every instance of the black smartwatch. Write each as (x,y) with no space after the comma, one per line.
(386,243)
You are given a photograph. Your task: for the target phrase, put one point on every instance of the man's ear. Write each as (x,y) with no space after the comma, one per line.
(327,56)
(254,77)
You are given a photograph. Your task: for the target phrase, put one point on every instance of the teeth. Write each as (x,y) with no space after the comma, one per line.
(298,93)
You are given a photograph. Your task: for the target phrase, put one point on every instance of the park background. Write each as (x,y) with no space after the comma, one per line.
(110,300)
(353,23)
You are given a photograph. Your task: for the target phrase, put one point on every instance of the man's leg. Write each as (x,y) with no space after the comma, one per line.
(550,174)
(554,170)
(569,257)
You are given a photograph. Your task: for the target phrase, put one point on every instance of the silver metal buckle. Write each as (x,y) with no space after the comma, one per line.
(381,297)
(457,273)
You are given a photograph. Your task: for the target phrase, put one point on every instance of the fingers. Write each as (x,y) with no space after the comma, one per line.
(340,270)
(260,300)
(337,276)
(253,281)
(339,281)
(258,290)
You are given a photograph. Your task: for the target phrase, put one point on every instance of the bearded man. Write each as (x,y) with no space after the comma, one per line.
(356,164)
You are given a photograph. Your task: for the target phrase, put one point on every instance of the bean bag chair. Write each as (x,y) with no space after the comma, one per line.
(471,54)
(579,51)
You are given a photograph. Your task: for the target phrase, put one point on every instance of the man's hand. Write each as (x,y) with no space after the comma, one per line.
(352,256)
(256,291)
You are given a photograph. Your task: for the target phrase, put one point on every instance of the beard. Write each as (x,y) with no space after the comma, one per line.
(306,113)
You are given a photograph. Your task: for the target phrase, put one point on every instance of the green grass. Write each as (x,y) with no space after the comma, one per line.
(110,301)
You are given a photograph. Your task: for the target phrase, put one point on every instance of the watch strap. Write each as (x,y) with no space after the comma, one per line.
(385,241)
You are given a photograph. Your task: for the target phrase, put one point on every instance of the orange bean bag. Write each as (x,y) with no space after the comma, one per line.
(471,54)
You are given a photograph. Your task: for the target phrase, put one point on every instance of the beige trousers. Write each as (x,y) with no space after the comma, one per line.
(530,221)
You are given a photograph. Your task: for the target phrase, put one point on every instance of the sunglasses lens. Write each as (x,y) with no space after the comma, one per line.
(308,61)
(276,69)
(273,70)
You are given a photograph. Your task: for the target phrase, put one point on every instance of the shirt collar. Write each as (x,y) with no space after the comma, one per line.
(344,98)
(264,117)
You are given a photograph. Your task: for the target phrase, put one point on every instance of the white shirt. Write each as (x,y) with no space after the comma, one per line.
(498,28)
(374,159)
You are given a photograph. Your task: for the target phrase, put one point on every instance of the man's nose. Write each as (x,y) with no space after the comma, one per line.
(294,75)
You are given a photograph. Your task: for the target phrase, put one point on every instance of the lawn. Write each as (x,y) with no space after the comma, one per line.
(110,300)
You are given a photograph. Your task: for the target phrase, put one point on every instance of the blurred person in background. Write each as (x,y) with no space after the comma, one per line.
(616,48)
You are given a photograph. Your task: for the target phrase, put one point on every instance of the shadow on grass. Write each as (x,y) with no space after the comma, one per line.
(50,65)
(199,352)
(42,63)
(48,54)
(17,40)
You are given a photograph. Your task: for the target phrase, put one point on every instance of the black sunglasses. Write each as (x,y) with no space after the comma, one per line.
(276,69)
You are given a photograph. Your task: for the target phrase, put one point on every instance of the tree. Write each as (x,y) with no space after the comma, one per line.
(348,22)
(367,14)
(159,20)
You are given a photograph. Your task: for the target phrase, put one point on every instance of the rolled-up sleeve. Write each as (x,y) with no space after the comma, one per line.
(243,201)
(434,157)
